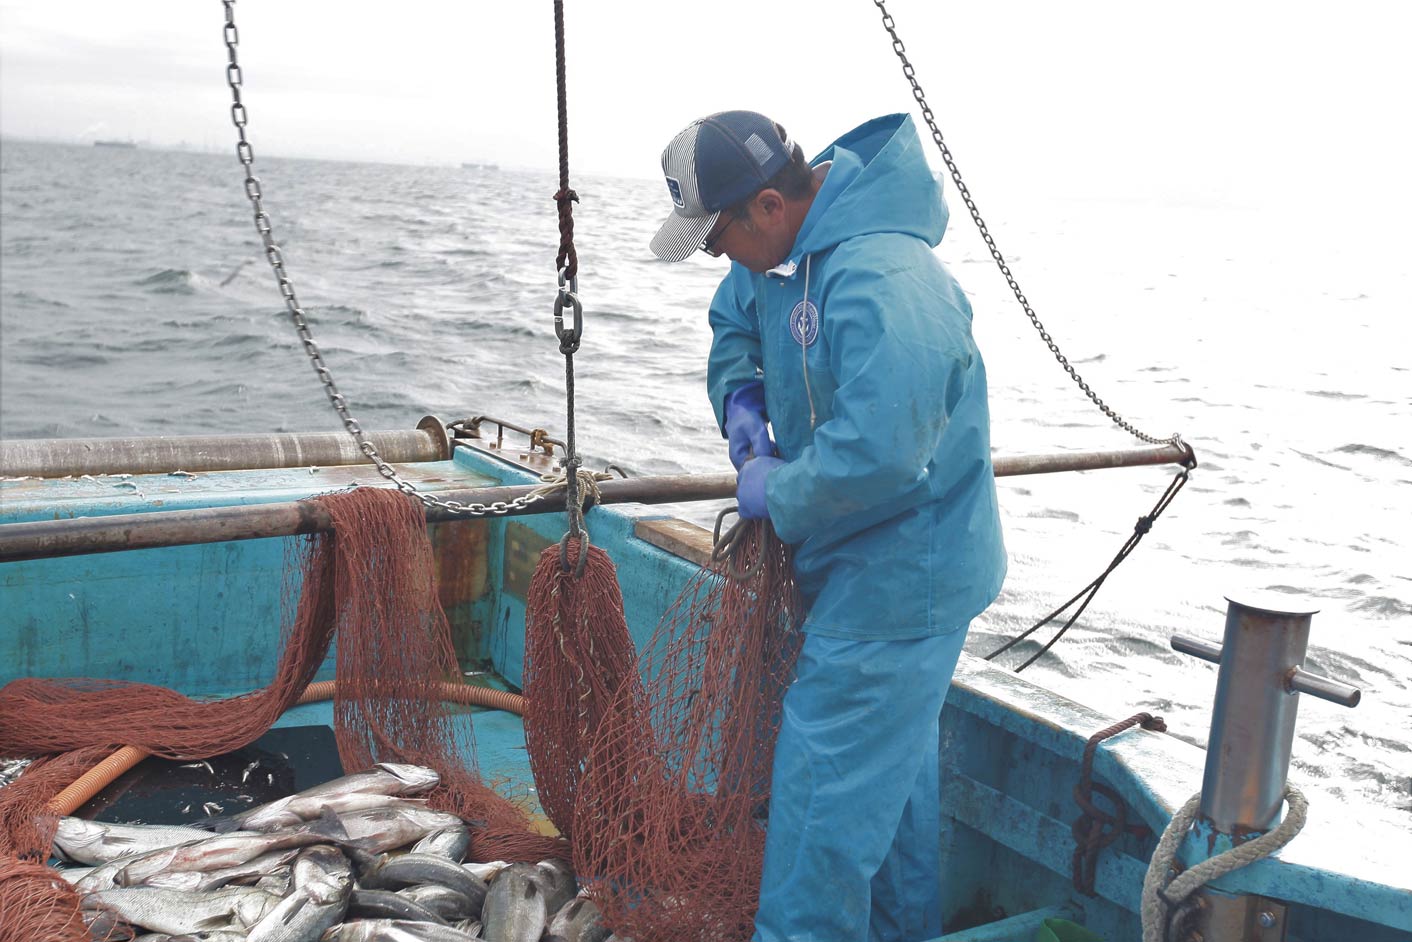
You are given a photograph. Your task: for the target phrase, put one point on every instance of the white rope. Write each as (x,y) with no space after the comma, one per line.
(1162,895)
(558,480)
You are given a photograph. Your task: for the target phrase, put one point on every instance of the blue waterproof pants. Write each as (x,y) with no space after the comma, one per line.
(853,846)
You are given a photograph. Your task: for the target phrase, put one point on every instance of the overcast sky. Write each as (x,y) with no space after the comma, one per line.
(1200,101)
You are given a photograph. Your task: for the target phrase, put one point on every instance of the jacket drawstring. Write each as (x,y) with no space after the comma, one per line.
(804,343)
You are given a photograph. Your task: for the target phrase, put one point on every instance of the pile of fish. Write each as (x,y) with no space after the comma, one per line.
(358,859)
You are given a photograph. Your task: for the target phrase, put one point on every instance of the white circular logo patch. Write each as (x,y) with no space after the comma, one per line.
(804,323)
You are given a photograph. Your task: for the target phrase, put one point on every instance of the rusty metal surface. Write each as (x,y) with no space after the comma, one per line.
(60,457)
(522,549)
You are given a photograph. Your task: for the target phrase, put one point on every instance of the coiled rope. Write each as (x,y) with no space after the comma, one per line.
(1165,896)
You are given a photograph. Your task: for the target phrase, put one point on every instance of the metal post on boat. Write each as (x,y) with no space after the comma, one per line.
(1248,753)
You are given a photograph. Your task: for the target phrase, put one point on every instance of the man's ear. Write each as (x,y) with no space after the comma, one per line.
(770,204)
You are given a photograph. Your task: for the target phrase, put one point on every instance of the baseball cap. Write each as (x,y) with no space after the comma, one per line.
(714,164)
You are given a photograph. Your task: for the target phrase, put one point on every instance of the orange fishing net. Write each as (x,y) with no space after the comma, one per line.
(577,654)
(669,824)
(373,584)
(658,765)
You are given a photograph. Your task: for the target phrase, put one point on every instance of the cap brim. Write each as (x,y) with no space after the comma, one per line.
(681,235)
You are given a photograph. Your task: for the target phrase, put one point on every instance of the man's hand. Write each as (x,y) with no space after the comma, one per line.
(750,487)
(746,427)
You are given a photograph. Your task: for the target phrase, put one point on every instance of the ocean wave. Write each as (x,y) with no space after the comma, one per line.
(32,298)
(1383,606)
(1375,452)
(172,281)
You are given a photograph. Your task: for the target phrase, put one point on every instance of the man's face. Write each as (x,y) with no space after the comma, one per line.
(758,238)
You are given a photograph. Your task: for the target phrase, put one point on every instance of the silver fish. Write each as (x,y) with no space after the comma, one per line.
(486,871)
(451,843)
(295,810)
(395,930)
(317,903)
(414,869)
(556,879)
(577,921)
(470,926)
(75,874)
(385,904)
(177,912)
(442,900)
(279,883)
(395,826)
(248,872)
(322,863)
(514,908)
(96,842)
(385,778)
(225,850)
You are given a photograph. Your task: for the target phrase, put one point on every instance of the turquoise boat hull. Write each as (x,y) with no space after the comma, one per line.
(205,620)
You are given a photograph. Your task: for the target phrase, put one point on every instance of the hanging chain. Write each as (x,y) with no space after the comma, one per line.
(911,73)
(275,257)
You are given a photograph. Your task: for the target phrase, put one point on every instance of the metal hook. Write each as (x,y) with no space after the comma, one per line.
(724,547)
(582,562)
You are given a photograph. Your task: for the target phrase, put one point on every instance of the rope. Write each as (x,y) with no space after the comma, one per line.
(587,492)
(1095,829)
(1087,593)
(567,261)
(1161,894)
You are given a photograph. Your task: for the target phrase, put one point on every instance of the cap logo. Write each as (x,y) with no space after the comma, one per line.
(674,188)
(804,323)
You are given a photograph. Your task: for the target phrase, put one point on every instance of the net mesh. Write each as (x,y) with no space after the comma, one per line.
(577,654)
(670,819)
(656,763)
(374,585)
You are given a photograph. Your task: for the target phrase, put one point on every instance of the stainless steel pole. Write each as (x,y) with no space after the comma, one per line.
(1252,724)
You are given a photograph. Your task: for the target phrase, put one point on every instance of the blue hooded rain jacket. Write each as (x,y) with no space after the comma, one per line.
(876,393)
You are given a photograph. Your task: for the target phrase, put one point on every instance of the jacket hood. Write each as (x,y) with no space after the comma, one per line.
(879,181)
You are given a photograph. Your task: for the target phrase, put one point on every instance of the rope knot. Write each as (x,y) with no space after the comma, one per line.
(1143,525)
(567,194)
(1154,723)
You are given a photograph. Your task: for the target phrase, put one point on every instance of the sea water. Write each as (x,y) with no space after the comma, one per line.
(135,300)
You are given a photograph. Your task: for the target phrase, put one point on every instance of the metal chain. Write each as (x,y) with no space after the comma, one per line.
(911,73)
(275,257)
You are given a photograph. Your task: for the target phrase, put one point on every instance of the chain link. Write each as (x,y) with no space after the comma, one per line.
(911,73)
(246,153)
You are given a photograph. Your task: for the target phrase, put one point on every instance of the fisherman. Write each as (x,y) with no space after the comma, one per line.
(839,328)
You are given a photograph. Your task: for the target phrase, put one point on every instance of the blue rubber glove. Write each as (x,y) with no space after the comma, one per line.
(746,424)
(750,487)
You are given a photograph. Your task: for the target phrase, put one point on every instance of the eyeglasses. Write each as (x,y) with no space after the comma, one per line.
(708,245)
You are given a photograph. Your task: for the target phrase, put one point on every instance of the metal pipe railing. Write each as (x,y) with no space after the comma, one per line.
(85,535)
(63,457)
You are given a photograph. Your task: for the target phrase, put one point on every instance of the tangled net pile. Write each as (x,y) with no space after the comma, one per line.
(669,818)
(373,585)
(657,767)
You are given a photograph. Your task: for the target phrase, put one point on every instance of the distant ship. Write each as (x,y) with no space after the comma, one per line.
(127,145)
(475,165)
